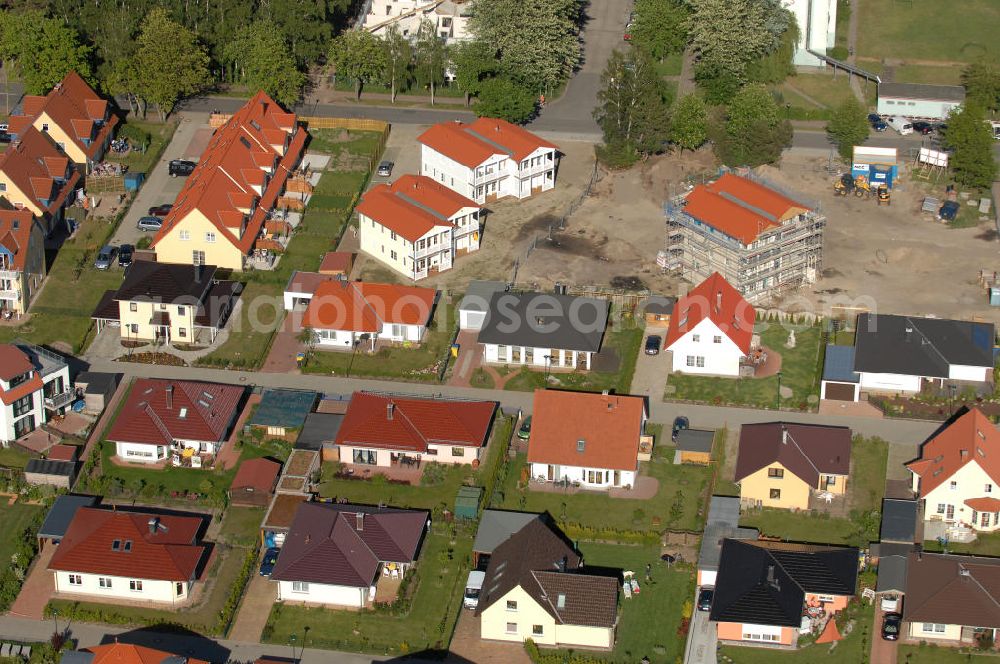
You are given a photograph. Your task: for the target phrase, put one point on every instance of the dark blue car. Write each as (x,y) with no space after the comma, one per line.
(876,121)
(267,564)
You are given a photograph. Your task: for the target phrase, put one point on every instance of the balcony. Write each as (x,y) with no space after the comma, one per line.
(57,401)
(432,249)
(497,174)
(534,170)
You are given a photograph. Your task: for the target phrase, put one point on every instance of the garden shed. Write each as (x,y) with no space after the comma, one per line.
(61,515)
(467,502)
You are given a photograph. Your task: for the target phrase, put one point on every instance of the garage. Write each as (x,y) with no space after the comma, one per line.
(475,305)
(840,381)
(301,287)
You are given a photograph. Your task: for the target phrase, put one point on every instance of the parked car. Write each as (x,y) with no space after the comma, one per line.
(705,598)
(877,123)
(891,624)
(4,126)
(5,137)
(901,124)
(150,224)
(385,169)
(524,432)
(890,603)
(125,255)
(653,343)
(680,424)
(268,561)
(105,258)
(922,127)
(473,588)
(161,210)
(181,167)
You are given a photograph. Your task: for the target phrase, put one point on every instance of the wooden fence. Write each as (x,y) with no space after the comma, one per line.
(356,124)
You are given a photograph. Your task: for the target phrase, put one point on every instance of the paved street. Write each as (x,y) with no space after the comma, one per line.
(701,643)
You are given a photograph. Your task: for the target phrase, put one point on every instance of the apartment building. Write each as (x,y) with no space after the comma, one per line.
(22,261)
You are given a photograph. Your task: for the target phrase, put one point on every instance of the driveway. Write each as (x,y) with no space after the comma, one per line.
(159,187)
(37,588)
(254,611)
(702,641)
(883,652)
(603,31)
(466,646)
(650,377)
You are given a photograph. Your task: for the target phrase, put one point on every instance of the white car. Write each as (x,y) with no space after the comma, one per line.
(890,603)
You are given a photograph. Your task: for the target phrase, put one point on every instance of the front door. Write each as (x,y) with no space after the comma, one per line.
(618,478)
(552,473)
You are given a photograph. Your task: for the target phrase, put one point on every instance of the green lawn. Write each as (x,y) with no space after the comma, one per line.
(336,141)
(241,526)
(142,162)
(928,30)
(799,372)
(928,74)
(671,65)
(14,519)
(427,623)
(803,527)
(932,654)
(853,649)
(866,484)
(250,332)
(684,484)
(418,363)
(13,457)
(626,343)
(648,622)
(985,545)
(379,490)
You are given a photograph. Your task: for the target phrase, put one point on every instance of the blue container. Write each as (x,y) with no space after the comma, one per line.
(133,181)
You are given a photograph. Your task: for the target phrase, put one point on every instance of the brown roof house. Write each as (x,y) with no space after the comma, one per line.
(781,464)
(537,588)
(254,483)
(336,554)
(951,598)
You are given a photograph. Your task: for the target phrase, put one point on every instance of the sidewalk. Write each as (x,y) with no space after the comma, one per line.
(38,586)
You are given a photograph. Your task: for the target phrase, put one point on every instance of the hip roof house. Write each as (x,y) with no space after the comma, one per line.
(951,598)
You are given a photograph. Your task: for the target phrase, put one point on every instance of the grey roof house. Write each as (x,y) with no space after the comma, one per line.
(476,302)
(722,524)
(495,528)
(543,330)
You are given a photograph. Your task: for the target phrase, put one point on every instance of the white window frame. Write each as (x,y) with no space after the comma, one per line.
(75,579)
(300,587)
(135,585)
(104,582)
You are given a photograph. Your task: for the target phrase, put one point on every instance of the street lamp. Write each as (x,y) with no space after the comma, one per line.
(953,389)
(55,620)
(779,390)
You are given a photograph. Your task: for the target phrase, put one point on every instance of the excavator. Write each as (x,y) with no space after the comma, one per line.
(862,189)
(843,186)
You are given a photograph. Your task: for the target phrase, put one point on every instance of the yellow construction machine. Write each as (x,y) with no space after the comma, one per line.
(883,195)
(843,185)
(862,189)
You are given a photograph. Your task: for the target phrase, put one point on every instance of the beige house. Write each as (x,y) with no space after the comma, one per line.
(168,303)
(22,260)
(781,464)
(537,588)
(36,176)
(228,213)
(951,600)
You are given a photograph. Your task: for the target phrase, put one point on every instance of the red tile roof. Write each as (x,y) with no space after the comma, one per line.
(194,411)
(32,163)
(256,474)
(13,362)
(472,144)
(364,307)
(610,426)
(170,554)
(126,653)
(739,207)
(413,206)
(60,452)
(219,187)
(15,236)
(718,301)
(76,108)
(984,504)
(336,262)
(410,424)
(968,437)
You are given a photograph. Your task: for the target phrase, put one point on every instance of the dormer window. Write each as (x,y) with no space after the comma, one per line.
(45,126)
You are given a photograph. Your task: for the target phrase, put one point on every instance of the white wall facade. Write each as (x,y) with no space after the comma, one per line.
(530,621)
(31,415)
(409,13)
(322,593)
(916,108)
(391,332)
(817,22)
(947,501)
(121,587)
(535,357)
(471,320)
(496,177)
(452,453)
(969,373)
(937,631)
(705,349)
(141,453)
(592,478)
(883,382)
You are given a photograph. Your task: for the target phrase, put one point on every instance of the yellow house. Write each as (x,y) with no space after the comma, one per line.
(168,303)
(22,260)
(225,215)
(536,588)
(75,117)
(780,464)
(35,176)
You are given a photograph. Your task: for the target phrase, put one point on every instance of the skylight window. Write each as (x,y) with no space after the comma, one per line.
(116,545)
(184,412)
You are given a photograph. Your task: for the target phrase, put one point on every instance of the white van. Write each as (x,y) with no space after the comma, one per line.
(901,124)
(473,587)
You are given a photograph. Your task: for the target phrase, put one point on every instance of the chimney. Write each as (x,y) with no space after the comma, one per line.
(389,408)
(964,572)
(308,538)
(718,301)
(963,454)
(561,564)
(784,435)
(170,397)
(908,330)
(770,573)
(361,521)
(154,525)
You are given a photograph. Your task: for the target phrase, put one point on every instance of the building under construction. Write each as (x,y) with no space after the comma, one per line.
(763,241)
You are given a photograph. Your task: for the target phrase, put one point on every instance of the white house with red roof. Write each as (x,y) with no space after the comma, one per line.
(957,475)
(34,386)
(220,213)
(75,117)
(183,421)
(417,226)
(135,556)
(488,159)
(711,329)
(763,241)
(386,430)
(344,314)
(22,260)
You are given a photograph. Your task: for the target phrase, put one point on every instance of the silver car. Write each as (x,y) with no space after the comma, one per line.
(105,257)
(385,169)
(149,224)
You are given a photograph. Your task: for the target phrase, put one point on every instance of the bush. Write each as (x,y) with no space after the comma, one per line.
(135,135)
(434,474)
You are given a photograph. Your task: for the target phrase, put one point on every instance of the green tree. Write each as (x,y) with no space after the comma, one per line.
(474,62)
(775,66)
(689,122)
(730,34)
(430,57)
(398,57)
(305,24)
(44,50)
(170,63)
(121,78)
(357,55)
(719,85)
(972,139)
(848,126)
(982,83)
(632,109)
(503,98)
(260,59)
(660,27)
(754,132)
(537,43)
